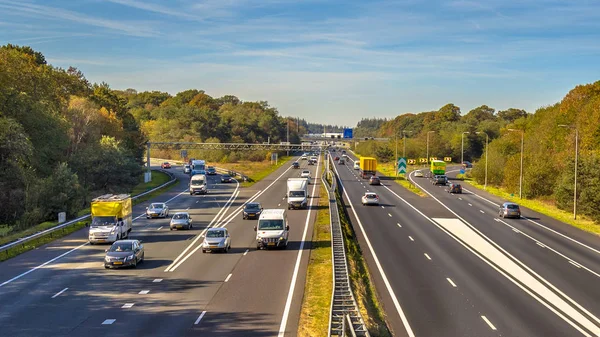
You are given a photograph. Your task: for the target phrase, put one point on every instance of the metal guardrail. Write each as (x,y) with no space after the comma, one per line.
(70,222)
(344,314)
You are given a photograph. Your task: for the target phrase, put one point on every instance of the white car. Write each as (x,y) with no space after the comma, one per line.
(157,210)
(304,157)
(305,174)
(356,165)
(370,198)
(419,174)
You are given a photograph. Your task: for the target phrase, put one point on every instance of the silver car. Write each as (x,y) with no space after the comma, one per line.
(370,198)
(509,210)
(124,253)
(216,239)
(187,169)
(181,220)
(157,210)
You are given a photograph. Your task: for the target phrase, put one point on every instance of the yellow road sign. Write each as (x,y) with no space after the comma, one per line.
(411,161)
(447,159)
(422,160)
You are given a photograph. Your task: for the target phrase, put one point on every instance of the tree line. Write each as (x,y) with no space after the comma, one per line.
(548,137)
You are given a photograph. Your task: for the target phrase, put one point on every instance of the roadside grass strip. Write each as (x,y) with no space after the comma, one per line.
(255,171)
(314,314)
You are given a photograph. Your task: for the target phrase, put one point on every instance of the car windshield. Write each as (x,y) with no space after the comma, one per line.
(252,206)
(512,206)
(197,181)
(226,176)
(187,166)
(296,194)
(99,221)
(215,234)
(180,216)
(156,206)
(121,247)
(270,225)
(371,196)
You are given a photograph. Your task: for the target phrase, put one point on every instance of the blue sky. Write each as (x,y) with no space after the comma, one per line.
(326,61)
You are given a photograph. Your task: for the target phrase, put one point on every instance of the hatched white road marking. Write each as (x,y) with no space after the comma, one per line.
(411,238)
(489,323)
(399,225)
(228,277)
(427,256)
(127,305)
(108,321)
(157,280)
(451,282)
(246,252)
(200,318)
(144,292)
(60,292)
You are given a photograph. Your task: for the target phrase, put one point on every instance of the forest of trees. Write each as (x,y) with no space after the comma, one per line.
(549,148)
(64,140)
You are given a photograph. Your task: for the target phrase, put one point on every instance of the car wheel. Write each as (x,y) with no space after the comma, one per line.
(91,243)
(106,267)
(203,250)
(191,226)
(147,217)
(143,256)
(257,247)
(135,264)
(225,250)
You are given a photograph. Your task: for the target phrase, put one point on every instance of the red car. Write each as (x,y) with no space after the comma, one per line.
(336,158)
(166,165)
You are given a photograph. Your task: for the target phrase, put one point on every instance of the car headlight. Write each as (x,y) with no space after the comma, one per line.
(112,232)
(130,257)
(245,213)
(107,259)
(281,238)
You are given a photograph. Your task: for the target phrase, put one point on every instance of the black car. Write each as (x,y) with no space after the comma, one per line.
(211,171)
(374,180)
(467,164)
(296,165)
(252,210)
(226,178)
(341,162)
(454,188)
(124,253)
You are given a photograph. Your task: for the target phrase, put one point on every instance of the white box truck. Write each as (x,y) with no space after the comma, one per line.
(272,230)
(297,193)
(198,184)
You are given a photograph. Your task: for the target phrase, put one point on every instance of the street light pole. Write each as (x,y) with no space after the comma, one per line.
(396,158)
(521,174)
(486,158)
(576,160)
(428,132)
(404,142)
(288,136)
(462,147)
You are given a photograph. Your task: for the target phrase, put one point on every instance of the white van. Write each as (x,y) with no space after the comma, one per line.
(198,184)
(272,229)
(356,165)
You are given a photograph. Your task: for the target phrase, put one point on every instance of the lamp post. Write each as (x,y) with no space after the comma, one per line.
(521,174)
(288,136)
(487,138)
(462,146)
(576,160)
(428,132)
(404,142)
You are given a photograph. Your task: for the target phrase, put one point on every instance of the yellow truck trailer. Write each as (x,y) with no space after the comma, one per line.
(368,167)
(111,218)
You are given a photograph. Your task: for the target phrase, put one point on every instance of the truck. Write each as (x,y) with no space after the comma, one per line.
(368,167)
(198,184)
(297,193)
(111,218)
(198,167)
(272,230)
(438,167)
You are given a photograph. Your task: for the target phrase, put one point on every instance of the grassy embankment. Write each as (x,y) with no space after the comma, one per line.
(546,207)
(314,314)
(255,171)
(158,178)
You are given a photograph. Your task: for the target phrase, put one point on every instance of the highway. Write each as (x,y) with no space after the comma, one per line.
(438,274)
(62,289)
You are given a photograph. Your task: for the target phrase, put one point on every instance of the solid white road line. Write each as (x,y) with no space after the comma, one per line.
(228,277)
(200,318)
(290,296)
(388,286)
(540,244)
(427,256)
(60,292)
(127,305)
(157,280)
(489,323)
(451,282)
(246,252)
(575,264)
(143,292)
(411,238)
(109,321)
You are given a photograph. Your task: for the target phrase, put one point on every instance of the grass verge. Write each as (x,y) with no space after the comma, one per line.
(546,207)
(387,169)
(360,279)
(314,314)
(158,178)
(255,171)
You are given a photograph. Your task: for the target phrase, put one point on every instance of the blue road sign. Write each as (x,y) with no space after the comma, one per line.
(462,171)
(348,133)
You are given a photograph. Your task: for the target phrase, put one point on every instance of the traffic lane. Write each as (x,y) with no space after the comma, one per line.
(246,291)
(554,226)
(570,278)
(76,270)
(488,294)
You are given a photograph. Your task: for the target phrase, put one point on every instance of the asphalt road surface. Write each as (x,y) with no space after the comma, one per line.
(444,266)
(62,289)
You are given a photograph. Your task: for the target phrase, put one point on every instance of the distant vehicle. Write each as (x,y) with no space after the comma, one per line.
(226,178)
(272,230)
(336,158)
(111,218)
(157,210)
(419,174)
(368,167)
(370,198)
(374,180)
(165,165)
(211,171)
(509,210)
(356,165)
(341,162)
(306,174)
(304,157)
(467,164)
(440,180)
(124,253)
(311,162)
(252,210)
(296,165)
(344,151)
(181,220)
(198,184)
(216,239)
(297,193)
(187,168)
(454,188)
(198,167)
(314,158)
(438,167)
